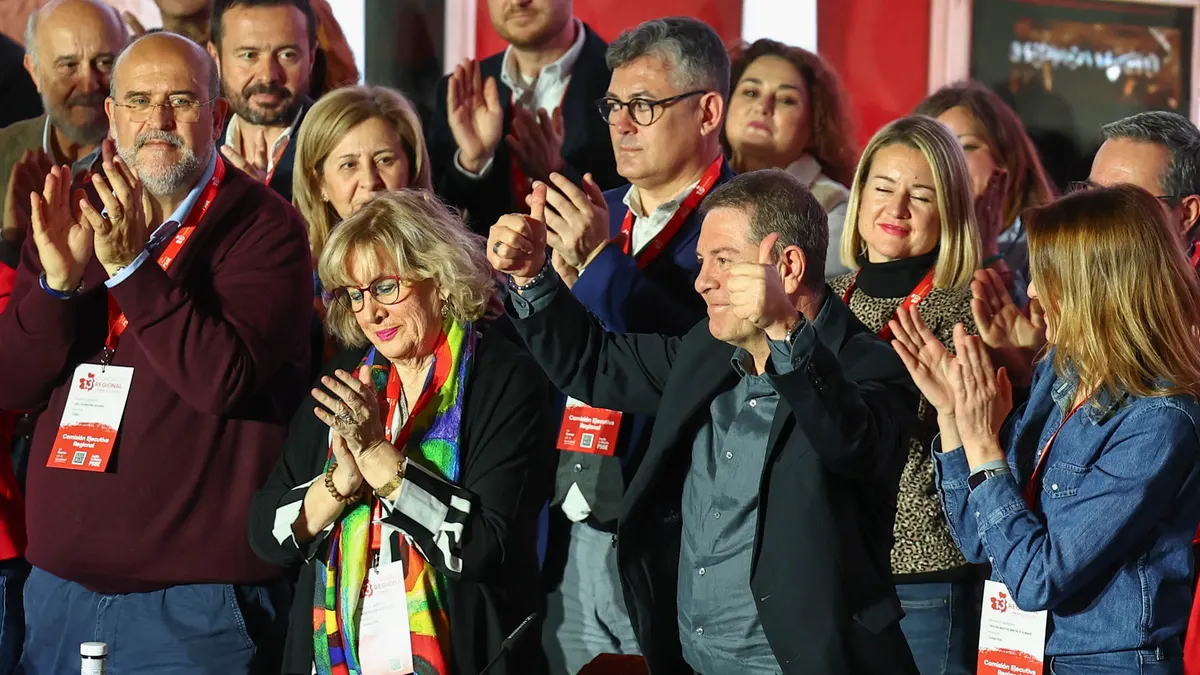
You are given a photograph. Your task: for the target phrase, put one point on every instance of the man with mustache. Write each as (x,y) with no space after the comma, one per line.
(70,46)
(164,333)
(630,256)
(519,115)
(265,50)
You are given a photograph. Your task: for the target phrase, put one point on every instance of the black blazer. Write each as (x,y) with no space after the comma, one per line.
(586,146)
(821,575)
(281,180)
(507,442)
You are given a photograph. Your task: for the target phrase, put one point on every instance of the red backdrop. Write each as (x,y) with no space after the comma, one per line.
(880,47)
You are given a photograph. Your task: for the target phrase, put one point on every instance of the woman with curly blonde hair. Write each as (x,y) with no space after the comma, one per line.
(788,110)
(422,458)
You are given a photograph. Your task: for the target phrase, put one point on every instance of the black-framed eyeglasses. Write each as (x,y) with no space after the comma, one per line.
(386,291)
(1084,186)
(642,111)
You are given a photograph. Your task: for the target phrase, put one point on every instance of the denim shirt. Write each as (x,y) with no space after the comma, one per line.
(1108,547)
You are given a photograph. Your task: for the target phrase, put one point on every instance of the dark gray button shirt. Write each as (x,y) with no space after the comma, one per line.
(718,620)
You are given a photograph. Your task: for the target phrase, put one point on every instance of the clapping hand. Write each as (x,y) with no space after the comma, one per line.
(576,220)
(351,409)
(928,361)
(64,241)
(1001,323)
(537,142)
(989,210)
(474,114)
(27,177)
(121,235)
(252,160)
(517,243)
(982,399)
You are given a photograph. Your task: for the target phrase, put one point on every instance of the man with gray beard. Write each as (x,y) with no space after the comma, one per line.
(183,299)
(70,46)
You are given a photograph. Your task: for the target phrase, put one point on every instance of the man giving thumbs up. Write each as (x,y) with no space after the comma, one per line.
(755,535)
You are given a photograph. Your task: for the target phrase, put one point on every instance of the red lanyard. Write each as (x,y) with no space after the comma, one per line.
(442,360)
(651,250)
(1031,489)
(520,180)
(918,294)
(1195,259)
(118,322)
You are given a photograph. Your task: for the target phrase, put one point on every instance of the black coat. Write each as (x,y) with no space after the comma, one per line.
(507,440)
(586,144)
(820,575)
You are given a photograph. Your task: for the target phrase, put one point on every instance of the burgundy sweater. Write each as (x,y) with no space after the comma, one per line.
(219,347)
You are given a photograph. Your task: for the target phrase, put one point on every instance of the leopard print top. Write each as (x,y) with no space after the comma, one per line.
(922,537)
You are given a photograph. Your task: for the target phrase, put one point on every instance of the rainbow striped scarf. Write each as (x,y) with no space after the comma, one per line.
(433,443)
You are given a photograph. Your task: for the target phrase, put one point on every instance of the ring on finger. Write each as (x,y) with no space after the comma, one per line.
(496,248)
(345,417)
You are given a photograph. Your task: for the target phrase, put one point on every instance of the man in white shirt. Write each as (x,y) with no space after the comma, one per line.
(265,50)
(521,114)
(629,255)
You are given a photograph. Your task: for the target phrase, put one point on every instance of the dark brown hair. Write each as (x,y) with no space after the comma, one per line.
(831,138)
(1005,135)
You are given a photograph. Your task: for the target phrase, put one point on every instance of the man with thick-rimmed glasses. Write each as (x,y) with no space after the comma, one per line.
(630,255)
(163,329)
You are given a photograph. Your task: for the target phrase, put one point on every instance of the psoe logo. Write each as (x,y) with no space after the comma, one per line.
(88,383)
(1000,602)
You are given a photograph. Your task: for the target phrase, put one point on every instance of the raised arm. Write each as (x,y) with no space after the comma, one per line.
(620,372)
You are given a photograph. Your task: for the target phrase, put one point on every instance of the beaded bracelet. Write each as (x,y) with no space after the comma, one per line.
(333,491)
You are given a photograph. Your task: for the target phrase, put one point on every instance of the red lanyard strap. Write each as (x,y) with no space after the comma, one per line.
(912,300)
(1031,489)
(117,321)
(656,245)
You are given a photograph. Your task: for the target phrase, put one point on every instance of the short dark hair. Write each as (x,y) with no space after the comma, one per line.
(1175,133)
(216,26)
(694,50)
(776,201)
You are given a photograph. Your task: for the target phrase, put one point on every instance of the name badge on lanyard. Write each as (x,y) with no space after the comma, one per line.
(95,405)
(1011,640)
(588,429)
(384,638)
(91,417)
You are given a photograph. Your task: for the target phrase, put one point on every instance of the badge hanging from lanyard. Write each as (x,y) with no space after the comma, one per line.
(95,405)
(1012,640)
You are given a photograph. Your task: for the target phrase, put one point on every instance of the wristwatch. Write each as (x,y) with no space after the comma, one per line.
(976,479)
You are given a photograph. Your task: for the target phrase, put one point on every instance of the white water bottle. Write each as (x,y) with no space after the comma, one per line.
(94,658)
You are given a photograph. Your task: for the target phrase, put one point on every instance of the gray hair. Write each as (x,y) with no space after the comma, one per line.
(1175,133)
(776,201)
(214,75)
(691,47)
(35,18)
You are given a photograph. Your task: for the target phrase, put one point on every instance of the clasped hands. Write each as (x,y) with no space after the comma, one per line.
(350,409)
(972,398)
(517,247)
(66,235)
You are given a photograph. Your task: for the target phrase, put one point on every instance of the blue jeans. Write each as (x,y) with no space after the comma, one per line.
(198,629)
(941,624)
(12,616)
(1166,660)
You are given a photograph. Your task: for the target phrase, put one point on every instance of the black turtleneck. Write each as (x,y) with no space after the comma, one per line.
(895,278)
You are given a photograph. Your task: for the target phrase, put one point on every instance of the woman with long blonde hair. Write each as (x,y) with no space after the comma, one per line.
(1085,500)
(910,233)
